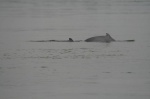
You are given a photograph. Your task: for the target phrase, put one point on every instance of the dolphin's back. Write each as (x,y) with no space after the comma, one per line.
(107,38)
(97,39)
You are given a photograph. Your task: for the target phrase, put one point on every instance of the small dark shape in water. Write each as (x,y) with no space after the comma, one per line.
(107,38)
(105,72)
(130,40)
(44,67)
(125,40)
(70,39)
(129,72)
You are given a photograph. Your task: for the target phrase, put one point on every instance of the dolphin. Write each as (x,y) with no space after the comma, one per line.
(107,38)
(69,40)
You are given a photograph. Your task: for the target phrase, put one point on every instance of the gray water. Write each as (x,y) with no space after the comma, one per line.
(74,70)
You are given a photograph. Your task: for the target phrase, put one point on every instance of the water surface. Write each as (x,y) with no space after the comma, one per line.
(74,70)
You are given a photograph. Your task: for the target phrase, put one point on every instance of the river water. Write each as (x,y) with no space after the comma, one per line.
(74,70)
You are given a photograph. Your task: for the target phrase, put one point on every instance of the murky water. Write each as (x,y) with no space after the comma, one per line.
(74,70)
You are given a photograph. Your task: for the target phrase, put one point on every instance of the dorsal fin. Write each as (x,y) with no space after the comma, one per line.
(107,34)
(70,39)
(110,38)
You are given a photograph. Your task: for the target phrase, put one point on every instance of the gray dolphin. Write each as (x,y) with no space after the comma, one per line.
(69,40)
(107,38)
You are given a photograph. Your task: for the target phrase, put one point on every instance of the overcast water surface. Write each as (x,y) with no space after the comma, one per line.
(74,70)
